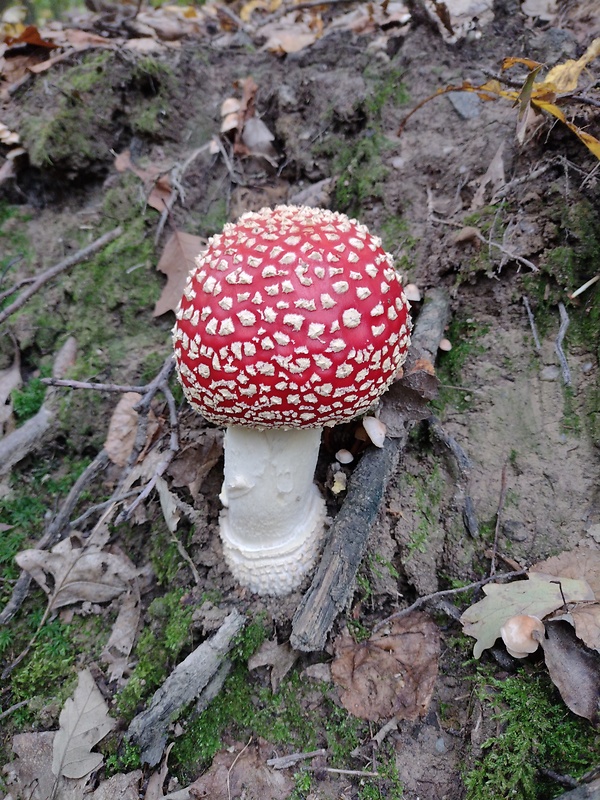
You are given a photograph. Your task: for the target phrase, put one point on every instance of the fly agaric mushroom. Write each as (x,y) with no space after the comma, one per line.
(293,319)
(522,635)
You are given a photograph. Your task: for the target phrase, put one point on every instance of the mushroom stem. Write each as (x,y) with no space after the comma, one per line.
(272,523)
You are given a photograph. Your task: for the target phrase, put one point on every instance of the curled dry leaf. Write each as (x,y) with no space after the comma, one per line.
(574,670)
(122,636)
(389,675)
(10,379)
(122,429)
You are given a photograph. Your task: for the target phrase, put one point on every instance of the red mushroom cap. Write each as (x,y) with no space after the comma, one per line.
(293,317)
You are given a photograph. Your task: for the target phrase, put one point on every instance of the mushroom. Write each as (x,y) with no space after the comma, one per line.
(293,319)
(522,635)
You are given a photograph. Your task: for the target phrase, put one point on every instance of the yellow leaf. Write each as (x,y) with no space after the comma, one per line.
(564,77)
(511,61)
(249,7)
(589,141)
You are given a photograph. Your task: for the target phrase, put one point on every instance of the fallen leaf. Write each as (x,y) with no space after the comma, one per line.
(84,721)
(565,77)
(242,772)
(582,563)
(31,774)
(586,619)
(119,787)
(538,596)
(169,505)
(389,675)
(280,657)
(77,573)
(574,670)
(258,140)
(194,461)
(120,643)
(176,261)
(122,429)
(154,176)
(30,36)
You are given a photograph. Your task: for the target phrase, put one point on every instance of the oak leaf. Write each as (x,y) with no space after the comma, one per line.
(84,721)
(538,596)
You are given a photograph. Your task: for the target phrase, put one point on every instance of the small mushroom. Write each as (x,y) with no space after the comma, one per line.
(522,635)
(293,319)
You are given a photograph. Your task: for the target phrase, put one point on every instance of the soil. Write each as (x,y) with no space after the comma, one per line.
(528,436)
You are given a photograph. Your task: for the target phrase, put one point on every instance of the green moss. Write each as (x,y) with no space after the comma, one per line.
(464,335)
(125,758)
(28,401)
(361,171)
(536,731)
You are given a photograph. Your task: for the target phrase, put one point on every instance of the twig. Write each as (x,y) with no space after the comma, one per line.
(13,708)
(427,598)
(536,338)
(235,760)
(177,174)
(281,12)
(98,387)
(498,520)
(63,266)
(285,762)
(585,286)
(361,773)
(564,324)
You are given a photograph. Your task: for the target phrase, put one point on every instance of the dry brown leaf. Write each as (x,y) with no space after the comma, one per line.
(176,261)
(258,140)
(280,657)
(84,721)
(155,178)
(119,787)
(586,619)
(574,670)
(389,675)
(122,429)
(122,636)
(582,563)
(242,772)
(30,775)
(194,461)
(77,573)
(169,505)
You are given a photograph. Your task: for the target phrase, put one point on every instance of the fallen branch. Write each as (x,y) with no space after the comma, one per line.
(333,584)
(530,317)
(429,598)
(187,681)
(22,441)
(63,266)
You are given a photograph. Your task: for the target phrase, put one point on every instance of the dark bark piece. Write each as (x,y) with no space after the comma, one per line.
(333,584)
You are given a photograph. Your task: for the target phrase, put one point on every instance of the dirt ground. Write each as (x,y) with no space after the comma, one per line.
(488,238)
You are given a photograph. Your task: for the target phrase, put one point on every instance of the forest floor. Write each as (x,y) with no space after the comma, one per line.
(126,121)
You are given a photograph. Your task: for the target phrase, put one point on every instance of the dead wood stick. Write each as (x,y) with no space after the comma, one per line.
(63,266)
(333,583)
(184,684)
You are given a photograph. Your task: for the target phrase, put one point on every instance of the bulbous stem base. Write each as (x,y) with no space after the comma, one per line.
(272,523)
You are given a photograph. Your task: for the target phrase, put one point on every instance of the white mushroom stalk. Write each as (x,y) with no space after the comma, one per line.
(294,318)
(273,514)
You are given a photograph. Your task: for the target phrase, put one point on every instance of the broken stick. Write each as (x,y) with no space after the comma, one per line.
(333,584)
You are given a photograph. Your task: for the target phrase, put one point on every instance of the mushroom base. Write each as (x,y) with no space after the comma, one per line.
(272,524)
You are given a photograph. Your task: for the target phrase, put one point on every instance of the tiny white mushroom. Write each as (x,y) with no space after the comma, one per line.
(412,292)
(522,635)
(344,456)
(375,430)
(445,345)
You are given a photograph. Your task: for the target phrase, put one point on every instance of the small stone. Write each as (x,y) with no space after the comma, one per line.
(466,105)
(514,530)
(594,532)
(550,373)
(440,745)
(587,367)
